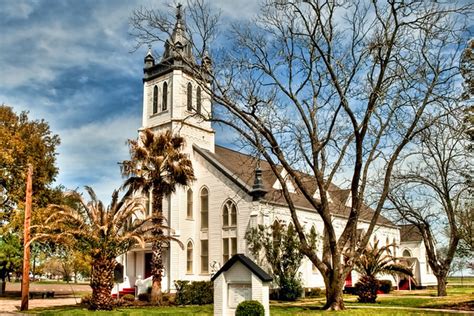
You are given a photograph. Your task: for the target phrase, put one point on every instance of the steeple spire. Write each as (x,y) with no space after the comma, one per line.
(178,46)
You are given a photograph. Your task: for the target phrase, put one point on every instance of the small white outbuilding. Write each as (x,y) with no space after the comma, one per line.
(240,279)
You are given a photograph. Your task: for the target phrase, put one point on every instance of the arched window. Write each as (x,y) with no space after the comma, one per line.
(155,100)
(189,210)
(204,209)
(198,100)
(229,231)
(204,256)
(164,103)
(189,94)
(406,253)
(229,214)
(189,258)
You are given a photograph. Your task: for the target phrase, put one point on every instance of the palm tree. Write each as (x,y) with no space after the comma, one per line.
(373,262)
(103,233)
(157,165)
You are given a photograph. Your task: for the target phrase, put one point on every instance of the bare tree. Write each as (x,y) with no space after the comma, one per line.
(430,192)
(326,90)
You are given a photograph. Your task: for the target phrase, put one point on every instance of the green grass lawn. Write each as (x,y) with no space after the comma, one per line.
(207,310)
(458,298)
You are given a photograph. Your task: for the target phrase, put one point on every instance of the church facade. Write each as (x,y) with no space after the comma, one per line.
(232,191)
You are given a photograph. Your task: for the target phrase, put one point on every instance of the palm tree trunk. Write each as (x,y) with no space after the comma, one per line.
(102,282)
(157,249)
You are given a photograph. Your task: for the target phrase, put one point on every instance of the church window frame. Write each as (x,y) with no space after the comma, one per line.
(406,253)
(164,101)
(229,230)
(189,257)
(189,97)
(229,214)
(154,109)
(204,256)
(198,100)
(204,208)
(189,205)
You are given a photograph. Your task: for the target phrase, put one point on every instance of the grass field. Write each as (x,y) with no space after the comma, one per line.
(388,304)
(207,310)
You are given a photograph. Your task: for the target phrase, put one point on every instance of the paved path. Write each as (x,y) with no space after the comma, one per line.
(65,294)
(12,306)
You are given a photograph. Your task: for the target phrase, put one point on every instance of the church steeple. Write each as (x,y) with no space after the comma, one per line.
(173,98)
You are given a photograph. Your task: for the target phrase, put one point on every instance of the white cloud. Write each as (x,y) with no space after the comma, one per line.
(92,152)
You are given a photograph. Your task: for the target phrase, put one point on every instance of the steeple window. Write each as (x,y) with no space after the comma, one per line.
(198,100)
(164,104)
(155,100)
(189,93)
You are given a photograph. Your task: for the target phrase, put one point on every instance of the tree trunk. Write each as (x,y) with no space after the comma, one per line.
(102,282)
(157,250)
(442,282)
(334,297)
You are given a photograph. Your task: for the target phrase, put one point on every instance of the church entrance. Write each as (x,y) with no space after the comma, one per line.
(148,265)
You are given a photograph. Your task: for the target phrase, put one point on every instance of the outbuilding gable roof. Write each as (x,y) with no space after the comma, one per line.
(247,262)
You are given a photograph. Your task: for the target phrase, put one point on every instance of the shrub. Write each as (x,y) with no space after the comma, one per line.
(385,286)
(290,289)
(168,299)
(313,292)
(144,297)
(367,288)
(194,293)
(250,308)
(128,297)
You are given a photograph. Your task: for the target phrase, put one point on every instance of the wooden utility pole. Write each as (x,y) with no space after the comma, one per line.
(25,280)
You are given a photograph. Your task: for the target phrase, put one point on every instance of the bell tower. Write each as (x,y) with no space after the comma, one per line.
(172,96)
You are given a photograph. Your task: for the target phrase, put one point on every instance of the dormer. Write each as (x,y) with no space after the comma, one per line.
(277,185)
(317,196)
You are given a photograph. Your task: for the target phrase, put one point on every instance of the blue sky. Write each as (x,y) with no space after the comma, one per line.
(69,62)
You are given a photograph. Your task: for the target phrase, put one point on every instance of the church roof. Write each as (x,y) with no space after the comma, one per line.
(409,233)
(252,266)
(240,168)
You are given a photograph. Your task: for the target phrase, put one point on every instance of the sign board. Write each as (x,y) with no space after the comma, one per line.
(239,292)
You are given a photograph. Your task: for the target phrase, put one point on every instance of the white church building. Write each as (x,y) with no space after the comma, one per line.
(230,194)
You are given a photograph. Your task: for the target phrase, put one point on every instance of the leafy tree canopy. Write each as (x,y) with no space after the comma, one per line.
(25,141)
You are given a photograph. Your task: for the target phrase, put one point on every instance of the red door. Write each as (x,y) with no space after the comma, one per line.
(349,280)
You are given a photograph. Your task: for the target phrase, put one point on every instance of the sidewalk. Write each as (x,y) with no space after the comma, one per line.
(64,294)
(12,306)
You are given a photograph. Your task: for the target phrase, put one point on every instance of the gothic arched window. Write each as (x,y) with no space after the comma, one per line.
(229,214)
(189,258)
(155,100)
(229,230)
(164,103)
(198,100)
(204,208)
(189,93)
(189,211)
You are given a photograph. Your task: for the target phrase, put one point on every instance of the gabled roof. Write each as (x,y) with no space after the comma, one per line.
(409,233)
(240,168)
(252,266)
